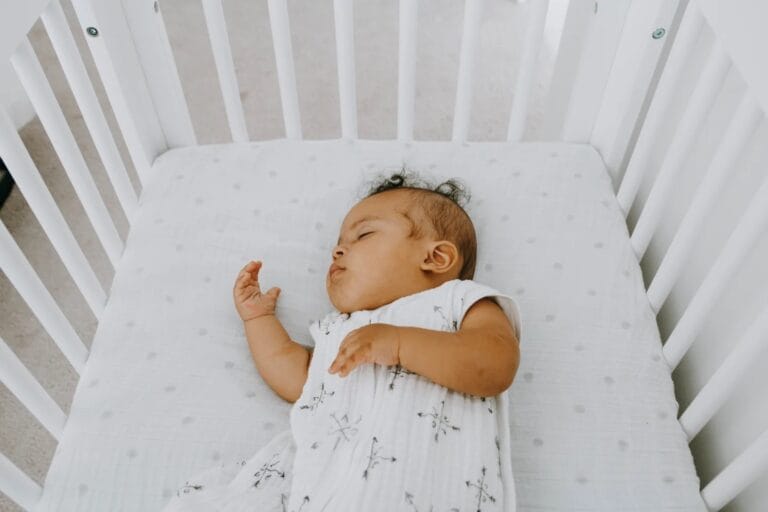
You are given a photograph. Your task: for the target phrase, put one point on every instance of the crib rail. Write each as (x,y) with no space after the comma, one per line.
(609,56)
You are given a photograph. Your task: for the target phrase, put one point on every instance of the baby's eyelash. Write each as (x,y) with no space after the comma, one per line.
(362,235)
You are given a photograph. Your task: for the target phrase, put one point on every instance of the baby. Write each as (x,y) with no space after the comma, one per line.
(402,404)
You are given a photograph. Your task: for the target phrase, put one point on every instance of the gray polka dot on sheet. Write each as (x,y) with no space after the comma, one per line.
(582,479)
(432,166)
(106,414)
(140,270)
(236,186)
(318,226)
(661,414)
(578,347)
(295,200)
(257,212)
(93,383)
(528,376)
(537,441)
(268,425)
(626,273)
(608,379)
(553,154)
(169,299)
(207,279)
(520,291)
(179,176)
(170,388)
(202,331)
(216,159)
(132,453)
(577,175)
(530,239)
(272,174)
(465,144)
(488,267)
(544,194)
(216,456)
(151,355)
(504,218)
(557,265)
(312,158)
(199,200)
(82,489)
(250,394)
(167,493)
(549,318)
(625,325)
(331,183)
(229,364)
(158,221)
(179,247)
(598,244)
(516,174)
(311,270)
(579,408)
(656,357)
(570,216)
(591,291)
(129,324)
(623,445)
(186,420)
(668,479)
(492,160)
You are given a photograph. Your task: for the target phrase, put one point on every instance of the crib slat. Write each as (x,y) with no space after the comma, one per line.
(688,33)
(17,485)
(720,386)
(345,58)
(750,227)
(527,70)
(32,186)
(472,13)
(26,281)
(113,53)
(737,135)
(406,81)
(701,100)
(281,40)
(66,49)
(222,56)
(31,75)
(596,57)
(28,390)
(744,470)
(144,20)
(636,60)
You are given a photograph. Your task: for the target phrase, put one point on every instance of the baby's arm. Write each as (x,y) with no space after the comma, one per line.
(282,363)
(480,359)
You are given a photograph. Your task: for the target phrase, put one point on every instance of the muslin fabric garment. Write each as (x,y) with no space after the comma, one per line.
(382,438)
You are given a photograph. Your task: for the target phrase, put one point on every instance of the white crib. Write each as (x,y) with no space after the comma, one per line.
(169,388)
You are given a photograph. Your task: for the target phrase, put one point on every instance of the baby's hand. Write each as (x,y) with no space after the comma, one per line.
(249,300)
(373,343)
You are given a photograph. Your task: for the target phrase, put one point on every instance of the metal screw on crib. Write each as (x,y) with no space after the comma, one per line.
(658,33)
(92,31)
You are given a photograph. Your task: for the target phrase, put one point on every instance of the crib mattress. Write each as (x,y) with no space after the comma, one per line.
(170,387)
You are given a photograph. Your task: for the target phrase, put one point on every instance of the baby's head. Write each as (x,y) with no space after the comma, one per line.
(403,237)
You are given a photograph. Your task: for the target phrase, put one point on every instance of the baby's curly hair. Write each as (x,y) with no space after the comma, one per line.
(442,206)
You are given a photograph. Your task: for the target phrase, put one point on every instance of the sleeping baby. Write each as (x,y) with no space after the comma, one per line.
(402,402)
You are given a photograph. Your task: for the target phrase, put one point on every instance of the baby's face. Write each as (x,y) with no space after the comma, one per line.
(380,263)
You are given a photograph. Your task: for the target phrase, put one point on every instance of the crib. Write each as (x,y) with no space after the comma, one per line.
(168,386)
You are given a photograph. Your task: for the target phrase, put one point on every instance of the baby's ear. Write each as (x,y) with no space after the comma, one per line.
(442,257)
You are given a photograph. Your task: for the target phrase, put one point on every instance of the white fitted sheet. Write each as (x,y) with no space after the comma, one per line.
(170,387)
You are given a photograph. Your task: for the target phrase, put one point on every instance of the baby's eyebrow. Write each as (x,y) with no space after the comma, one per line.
(358,221)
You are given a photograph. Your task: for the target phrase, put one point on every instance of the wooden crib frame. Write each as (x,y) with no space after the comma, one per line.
(611,65)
